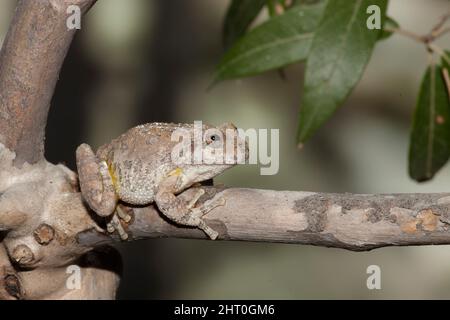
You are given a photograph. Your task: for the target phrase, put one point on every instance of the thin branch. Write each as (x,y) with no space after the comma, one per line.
(30,61)
(442,32)
(406,33)
(437,30)
(435,48)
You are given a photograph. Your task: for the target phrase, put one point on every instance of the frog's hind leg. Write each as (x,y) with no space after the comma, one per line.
(96,183)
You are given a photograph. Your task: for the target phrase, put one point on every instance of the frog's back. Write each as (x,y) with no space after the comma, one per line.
(139,160)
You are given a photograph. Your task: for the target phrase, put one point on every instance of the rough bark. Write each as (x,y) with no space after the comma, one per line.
(349,221)
(45,226)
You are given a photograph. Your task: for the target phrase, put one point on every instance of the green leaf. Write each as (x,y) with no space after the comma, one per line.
(271,7)
(240,15)
(340,50)
(282,40)
(388,23)
(305,2)
(430,135)
(446,64)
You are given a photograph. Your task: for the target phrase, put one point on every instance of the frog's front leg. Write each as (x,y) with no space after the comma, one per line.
(180,209)
(97,187)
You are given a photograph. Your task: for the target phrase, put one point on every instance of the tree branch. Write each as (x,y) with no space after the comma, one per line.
(348,221)
(31,58)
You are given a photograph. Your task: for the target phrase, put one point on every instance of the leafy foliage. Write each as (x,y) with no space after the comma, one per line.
(276,43)
(334,38)
(341,49)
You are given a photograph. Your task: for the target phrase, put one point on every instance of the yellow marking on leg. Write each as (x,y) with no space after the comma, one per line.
(176,172)
(114,178)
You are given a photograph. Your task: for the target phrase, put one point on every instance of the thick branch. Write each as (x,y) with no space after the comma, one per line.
(349,221)
(60,228)
(30,61)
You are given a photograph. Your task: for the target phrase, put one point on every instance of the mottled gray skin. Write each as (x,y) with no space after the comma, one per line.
(138,168)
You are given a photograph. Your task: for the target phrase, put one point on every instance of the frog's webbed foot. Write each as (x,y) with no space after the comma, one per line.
(202,210)
(115,224)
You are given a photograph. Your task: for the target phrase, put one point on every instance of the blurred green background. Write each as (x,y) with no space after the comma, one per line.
(152,60)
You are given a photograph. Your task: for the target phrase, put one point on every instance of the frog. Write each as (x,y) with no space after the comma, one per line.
(149,164)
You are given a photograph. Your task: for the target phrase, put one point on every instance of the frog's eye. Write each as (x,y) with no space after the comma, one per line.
(213,138)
